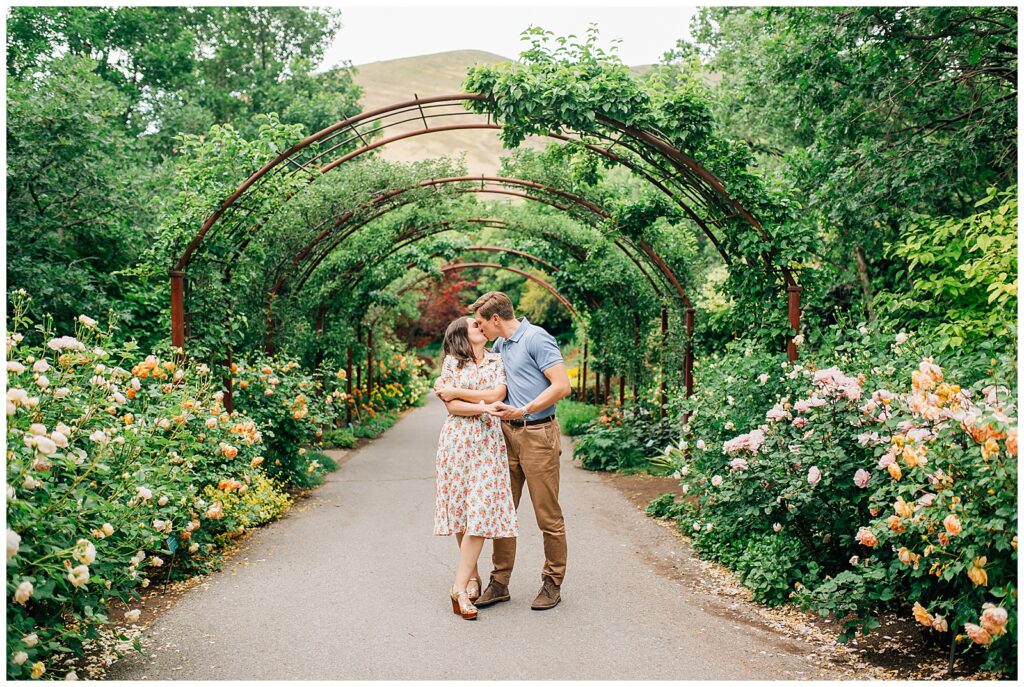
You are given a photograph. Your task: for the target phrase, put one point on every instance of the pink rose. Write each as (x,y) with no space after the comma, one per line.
(813,475)
(861,478)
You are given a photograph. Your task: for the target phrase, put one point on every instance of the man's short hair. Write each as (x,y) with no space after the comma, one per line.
(493,303)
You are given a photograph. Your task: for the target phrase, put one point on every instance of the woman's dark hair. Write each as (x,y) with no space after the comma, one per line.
(456,342)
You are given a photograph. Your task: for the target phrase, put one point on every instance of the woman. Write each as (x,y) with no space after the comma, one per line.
(474,494)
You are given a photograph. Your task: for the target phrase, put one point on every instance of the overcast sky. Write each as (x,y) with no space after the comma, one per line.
(370,34)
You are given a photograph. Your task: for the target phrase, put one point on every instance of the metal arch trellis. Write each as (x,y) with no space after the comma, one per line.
(423,232)
(653,158)
(687,313)
(324,243)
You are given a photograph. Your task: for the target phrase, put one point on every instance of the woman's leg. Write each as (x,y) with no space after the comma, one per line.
(469,553)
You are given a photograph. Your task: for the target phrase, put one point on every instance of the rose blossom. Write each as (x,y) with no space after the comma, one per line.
(952,524)
(13,543)
(132,615)
(24,592)
(866,537)
(813,475)
(994,618)
(738,464)
(79,575)
(977,634)
(861,478)
(716,480)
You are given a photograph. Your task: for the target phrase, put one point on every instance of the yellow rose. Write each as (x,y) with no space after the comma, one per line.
(922,616)
(977,572)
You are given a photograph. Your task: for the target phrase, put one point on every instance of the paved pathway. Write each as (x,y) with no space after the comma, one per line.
(352,585)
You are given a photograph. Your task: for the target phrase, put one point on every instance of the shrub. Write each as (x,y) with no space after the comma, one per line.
(625,440)
(574,417)
(339,438)
(890,489)
(109,458)
(283,398)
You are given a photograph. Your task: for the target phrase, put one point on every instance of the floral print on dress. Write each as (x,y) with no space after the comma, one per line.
(474,493)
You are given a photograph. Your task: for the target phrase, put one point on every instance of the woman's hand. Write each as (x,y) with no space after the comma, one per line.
(448,393)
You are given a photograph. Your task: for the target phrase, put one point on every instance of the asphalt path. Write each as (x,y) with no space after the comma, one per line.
(352,584)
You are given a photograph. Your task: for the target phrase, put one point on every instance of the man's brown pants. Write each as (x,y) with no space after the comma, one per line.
(533,453)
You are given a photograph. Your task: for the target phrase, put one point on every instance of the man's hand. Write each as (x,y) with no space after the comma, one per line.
(507,412)
(447,393)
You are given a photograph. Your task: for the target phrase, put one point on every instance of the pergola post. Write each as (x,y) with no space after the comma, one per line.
(583,380)
(688,360)
(664,343)
(369,363)
(268,342)
(348,388)
(177,309)
(793,291)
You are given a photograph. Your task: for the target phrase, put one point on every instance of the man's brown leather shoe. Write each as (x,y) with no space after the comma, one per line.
(494,593)
(548,597)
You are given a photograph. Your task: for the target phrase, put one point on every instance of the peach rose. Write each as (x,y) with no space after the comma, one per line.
(866,537)
(977,634)
(952,524)
(994,618)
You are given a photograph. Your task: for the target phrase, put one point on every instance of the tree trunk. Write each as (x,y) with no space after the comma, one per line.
(865,281)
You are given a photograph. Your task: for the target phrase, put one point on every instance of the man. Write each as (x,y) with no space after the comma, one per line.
(536,379)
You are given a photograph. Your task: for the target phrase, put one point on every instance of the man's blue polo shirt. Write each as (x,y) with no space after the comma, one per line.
(526,354)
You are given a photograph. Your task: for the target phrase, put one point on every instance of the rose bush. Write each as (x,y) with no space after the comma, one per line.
(117,465)
(288,403)
(874,480)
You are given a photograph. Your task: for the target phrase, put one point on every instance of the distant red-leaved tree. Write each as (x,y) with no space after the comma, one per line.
(441,303)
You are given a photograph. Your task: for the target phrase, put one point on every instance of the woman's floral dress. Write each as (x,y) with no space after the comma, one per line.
(474,494)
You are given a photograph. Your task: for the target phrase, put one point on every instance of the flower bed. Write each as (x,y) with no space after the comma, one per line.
(890,489)
(125,469)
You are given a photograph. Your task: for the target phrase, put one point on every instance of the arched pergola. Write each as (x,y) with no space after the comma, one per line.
(701,196)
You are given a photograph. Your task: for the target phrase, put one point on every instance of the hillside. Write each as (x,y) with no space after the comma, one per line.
(393,81)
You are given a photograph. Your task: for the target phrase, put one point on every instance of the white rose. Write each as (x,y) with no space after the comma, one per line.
(61,392)
(13,543)
(37,429)
(132,616)
(59,439)
(701,445)
(79,575)
(46,446)
(901,338)
(99,436)
(20,657)
(24,592)
(85,551)
(30,640)
(40,366)
(107,528)
(162,501)
(716,480)
(15,367)
(87,321)
(144,493)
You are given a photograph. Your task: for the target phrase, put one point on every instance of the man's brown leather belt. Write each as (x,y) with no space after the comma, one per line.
(524,423)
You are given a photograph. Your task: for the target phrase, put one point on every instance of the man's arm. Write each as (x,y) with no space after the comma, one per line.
(558,389)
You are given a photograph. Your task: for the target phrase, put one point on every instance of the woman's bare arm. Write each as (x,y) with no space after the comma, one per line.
(464,408)
(491,395)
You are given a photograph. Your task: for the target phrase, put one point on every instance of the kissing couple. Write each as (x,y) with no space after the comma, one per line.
(500,433)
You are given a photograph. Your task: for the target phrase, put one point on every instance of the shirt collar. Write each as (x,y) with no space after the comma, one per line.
(520,330)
